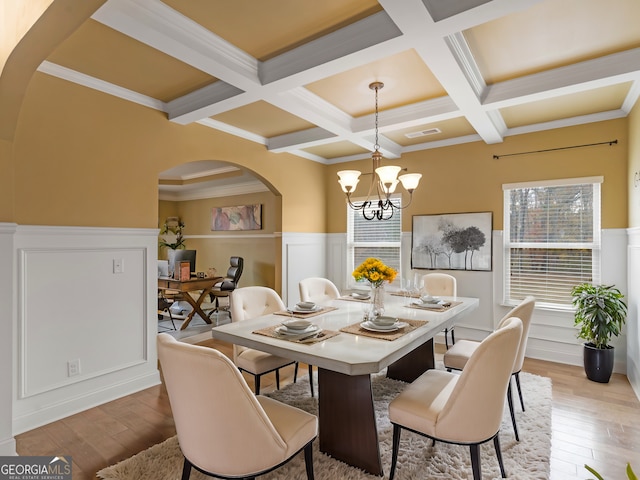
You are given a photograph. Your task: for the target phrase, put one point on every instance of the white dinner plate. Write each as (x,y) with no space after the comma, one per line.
(372,327)
(428,305)
(282,330)
(317,308)
(361,296)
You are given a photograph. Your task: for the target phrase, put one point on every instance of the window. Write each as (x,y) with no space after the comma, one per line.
(551,239)
(373,238)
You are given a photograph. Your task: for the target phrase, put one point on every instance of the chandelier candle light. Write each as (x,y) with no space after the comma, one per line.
(384,178)
(376,273)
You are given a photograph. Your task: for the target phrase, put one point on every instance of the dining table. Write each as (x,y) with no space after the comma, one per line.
(347,354)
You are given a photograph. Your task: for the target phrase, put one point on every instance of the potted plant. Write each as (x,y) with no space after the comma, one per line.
(600,315)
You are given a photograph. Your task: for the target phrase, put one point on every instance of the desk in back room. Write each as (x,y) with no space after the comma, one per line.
(204,285)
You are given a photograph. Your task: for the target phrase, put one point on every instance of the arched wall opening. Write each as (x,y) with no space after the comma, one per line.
(193,190)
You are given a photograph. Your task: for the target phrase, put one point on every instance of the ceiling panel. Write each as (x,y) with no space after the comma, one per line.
(551,34)
(568,106)
(456,127)
(263,119)
(350,90)
(337,149)
(104,53)
(266,28)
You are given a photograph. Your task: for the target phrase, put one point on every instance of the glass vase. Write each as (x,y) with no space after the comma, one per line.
(377,300)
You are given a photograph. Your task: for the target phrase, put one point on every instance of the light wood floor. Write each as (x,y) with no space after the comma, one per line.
(597,424)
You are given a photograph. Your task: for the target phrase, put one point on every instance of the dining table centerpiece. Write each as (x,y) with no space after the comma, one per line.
(376,273)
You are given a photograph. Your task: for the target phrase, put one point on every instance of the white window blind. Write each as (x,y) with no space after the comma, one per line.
(373,238)
(551,239)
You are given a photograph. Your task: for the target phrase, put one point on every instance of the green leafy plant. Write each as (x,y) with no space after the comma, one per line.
(600,312)
(172,226)
(630,474)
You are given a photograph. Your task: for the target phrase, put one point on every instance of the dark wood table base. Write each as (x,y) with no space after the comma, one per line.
(347,421)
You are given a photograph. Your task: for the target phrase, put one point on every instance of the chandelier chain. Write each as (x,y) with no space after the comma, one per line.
(376,146)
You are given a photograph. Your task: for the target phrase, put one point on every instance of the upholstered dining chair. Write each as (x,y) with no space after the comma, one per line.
(464,409)
(224,430)
(317,290)
(252,302)
(437,284)
(458,355)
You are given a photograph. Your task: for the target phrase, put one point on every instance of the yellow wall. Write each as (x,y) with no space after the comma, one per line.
(466,178)
(6,182)
(85,158)
(634,167)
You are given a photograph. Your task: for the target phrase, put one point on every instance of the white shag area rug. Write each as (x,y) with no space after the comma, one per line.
(418,458)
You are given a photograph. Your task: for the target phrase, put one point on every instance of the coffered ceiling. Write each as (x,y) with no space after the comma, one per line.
(293,75)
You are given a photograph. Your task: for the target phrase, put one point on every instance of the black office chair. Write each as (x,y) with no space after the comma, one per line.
(228,285)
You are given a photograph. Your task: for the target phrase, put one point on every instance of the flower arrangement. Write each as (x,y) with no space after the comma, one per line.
(172,226)
(375,272)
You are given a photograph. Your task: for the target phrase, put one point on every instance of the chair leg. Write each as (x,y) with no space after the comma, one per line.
(308,460)
(453,336)
(396,446)
(186,469)
(446,338)
(311,379)
(257,384)
(496,444)
(295,372)
(475,461)
(517,375)
(278,379)
(513,414)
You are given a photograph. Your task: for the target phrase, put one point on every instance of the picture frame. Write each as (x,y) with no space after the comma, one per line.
(452,241)
(241,217)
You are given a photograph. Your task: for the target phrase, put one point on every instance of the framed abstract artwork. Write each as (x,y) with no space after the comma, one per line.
(453,241)
(242,217)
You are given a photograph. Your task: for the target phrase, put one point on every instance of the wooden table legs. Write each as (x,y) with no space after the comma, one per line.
(348,430)
(196,307)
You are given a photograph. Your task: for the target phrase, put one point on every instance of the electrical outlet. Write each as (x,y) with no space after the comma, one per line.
(118,265)
(73,367)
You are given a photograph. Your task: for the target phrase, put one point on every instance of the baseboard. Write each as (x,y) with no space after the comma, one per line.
(8,447)
(69,407)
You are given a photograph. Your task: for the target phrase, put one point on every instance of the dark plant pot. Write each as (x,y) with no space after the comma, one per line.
(598,363)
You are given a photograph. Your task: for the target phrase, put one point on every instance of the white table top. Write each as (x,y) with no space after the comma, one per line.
(347,353)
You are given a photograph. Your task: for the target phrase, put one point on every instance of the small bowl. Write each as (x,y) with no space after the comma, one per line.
(306,305)
(384,321)
(297,324)
(429,299)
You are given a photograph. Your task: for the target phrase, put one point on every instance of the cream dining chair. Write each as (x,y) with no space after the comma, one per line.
(458,355)
(437,284)
(252,302)
(224,430)
(317,290)
(464,409)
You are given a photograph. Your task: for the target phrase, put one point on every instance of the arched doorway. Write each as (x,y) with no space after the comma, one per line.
(193,191)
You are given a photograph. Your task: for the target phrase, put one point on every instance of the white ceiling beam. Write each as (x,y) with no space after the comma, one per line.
(599,72)
(159,26)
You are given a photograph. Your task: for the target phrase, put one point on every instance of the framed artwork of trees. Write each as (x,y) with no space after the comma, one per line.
(453,241)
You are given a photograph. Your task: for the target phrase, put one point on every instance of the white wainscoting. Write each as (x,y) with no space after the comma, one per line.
(73,306)
(303,256)
(633,297)
(7,442)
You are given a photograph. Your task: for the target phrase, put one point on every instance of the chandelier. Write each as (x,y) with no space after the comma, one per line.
(384,180)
